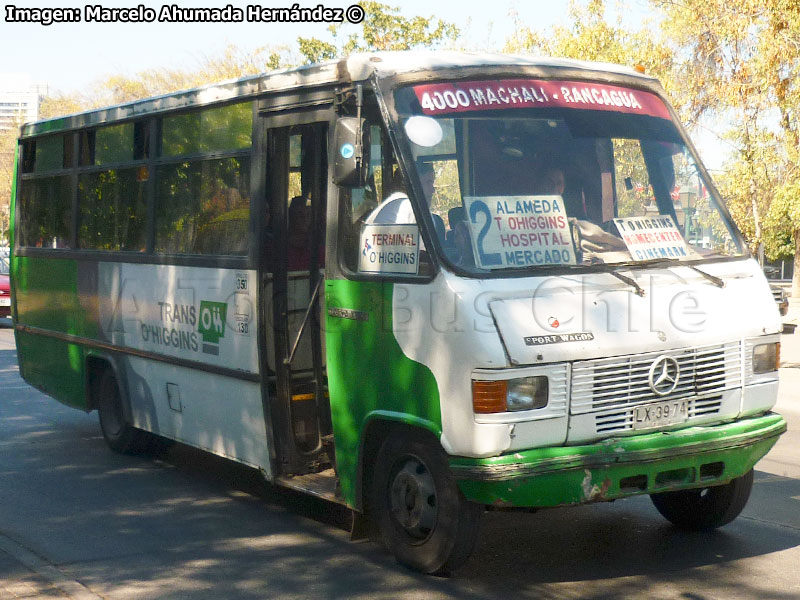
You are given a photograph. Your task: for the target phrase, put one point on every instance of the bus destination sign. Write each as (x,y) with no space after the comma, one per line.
(464,96)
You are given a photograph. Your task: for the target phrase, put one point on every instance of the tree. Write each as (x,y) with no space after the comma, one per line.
(751,168)
(8,139)
(383,28)
(741,59)
(784,218)
(233,63)
(734,60)
(715,46)
(779,65)
(591,37)
(63,104)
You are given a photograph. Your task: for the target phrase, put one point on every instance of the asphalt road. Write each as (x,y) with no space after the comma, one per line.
(77,521)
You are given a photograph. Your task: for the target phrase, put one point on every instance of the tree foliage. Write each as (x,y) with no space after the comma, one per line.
(384,28)
(7,141)
(590,36)
(741,59)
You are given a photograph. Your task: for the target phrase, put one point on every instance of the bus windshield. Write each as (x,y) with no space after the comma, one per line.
(526,173)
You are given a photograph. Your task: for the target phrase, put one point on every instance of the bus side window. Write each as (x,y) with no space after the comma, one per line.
(202,180)
(46,200)
(357,203)
(47,213)
(383,201)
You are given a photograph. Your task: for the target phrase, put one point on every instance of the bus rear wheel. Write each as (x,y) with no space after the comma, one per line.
(423,517)
(705,508)
(120,435)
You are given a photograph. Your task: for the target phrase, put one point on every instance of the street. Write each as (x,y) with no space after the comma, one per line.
(78,521)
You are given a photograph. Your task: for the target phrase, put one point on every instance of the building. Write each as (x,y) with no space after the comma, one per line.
(19,100)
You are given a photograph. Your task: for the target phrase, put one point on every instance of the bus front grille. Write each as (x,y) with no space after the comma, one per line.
(611,387)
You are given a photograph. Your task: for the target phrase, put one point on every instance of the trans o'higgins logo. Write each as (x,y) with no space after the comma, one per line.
(182,325)
(211,325)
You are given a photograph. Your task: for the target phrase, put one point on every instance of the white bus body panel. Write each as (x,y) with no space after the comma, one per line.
(464,329)
(157,308)
(204,315)
(222,415)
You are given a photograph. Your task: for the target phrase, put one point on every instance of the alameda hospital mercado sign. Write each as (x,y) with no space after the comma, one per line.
(519,231)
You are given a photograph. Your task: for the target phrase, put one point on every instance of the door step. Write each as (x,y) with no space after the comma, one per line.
(322,485)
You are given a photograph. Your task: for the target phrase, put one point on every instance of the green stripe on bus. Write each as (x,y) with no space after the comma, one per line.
(47,297)
(367,372)
(618,467)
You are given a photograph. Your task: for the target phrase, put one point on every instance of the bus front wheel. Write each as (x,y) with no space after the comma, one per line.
(120,435)
(705,508)
(423,517)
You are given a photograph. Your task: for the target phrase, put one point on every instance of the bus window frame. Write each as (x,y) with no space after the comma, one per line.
(386,87)
(23,177)
(378,117)
(247,261)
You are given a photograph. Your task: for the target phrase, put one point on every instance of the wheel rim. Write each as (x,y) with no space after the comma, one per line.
(412,499)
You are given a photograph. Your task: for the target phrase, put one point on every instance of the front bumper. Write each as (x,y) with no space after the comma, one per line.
(619,467)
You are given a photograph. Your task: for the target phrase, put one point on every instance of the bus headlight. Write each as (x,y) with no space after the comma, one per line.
(524,393)
(766,357)
(527,393)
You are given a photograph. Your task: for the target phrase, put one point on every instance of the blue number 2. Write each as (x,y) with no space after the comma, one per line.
(479,207)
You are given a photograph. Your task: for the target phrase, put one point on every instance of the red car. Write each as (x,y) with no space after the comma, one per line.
(5,296)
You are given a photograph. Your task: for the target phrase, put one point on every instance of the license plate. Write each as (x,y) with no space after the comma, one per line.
(5,301)
(660,414)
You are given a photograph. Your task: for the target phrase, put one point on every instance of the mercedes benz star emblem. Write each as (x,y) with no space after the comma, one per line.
(664,375)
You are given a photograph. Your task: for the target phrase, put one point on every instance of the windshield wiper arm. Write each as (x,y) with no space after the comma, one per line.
(624,278)
(720,283)
(712,278)
(611,269)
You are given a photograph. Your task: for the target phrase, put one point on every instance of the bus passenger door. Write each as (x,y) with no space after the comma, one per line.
(296,189)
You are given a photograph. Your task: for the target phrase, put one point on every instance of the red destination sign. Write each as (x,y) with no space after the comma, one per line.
(464,96)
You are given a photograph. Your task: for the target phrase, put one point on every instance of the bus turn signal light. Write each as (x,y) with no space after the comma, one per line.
(489,396)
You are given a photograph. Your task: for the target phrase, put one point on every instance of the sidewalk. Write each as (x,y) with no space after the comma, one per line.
(18,581)
(27,575)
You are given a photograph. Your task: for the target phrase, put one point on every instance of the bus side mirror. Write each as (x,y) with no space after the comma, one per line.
(351,147)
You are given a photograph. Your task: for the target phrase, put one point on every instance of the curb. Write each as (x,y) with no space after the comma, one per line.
(45,571)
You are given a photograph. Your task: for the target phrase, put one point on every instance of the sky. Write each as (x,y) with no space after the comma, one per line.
(67,57)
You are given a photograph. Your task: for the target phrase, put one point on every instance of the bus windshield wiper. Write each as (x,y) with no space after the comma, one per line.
(630,281)
(611,270)
(603,268)
(675,262)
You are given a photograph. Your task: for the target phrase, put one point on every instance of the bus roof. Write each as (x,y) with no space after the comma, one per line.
(357,67)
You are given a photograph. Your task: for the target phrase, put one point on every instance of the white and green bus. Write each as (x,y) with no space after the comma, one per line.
(417,284)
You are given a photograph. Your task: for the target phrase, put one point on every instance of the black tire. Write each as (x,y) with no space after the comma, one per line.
(423,517)
(705,508)
(120,435)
